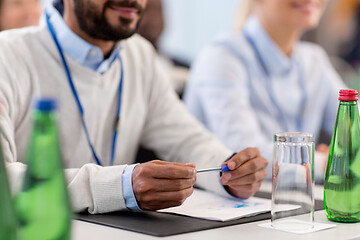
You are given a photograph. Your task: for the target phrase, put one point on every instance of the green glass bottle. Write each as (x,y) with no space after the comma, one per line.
(7,214)
(43,207)
(342,175)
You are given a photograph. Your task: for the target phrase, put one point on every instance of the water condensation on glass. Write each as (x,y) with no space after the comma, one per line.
(293,176)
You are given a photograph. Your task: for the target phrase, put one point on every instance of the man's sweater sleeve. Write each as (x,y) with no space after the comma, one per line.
(91,187)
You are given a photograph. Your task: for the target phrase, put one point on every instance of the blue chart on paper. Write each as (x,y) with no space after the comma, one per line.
(245,203)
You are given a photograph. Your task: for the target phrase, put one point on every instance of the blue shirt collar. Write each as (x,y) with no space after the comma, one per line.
(274,59)
(78,49)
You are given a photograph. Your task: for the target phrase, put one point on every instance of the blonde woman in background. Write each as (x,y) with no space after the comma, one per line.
(261,80)
(18,13)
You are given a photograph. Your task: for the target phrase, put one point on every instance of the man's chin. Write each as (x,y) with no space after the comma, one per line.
(119,29)
(124,29)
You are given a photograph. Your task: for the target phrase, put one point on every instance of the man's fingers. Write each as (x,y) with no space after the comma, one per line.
(245,191)
(248,179)
(247,173)
(247,168)
(158,185)
(164,171)
(171,196)
(174,172)
(160,200)
(159,205)
(322,148)
(163,185)
(173,163)
(242,157)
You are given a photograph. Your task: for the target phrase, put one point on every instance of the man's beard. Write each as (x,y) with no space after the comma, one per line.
(94,23)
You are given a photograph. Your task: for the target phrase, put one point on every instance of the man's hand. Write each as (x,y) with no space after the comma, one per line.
(323,148)
(247,172)
(158,184)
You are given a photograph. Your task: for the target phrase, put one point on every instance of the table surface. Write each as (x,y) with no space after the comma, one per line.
(89,231)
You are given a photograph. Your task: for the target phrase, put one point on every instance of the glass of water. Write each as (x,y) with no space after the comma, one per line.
(293,181)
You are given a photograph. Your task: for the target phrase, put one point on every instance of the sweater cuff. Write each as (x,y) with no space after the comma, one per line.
(107,190)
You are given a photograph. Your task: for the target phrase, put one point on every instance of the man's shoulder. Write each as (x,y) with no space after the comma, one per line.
(20,33)
(20,38)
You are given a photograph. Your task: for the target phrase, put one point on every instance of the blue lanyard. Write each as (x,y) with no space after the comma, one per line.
(81,110)
(281,115)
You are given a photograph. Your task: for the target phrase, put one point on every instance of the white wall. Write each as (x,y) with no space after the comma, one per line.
(190,24)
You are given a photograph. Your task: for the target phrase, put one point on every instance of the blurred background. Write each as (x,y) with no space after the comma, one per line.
(179,29)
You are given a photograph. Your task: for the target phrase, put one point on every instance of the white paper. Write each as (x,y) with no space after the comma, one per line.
(206,205)
(287,226)
(355,238)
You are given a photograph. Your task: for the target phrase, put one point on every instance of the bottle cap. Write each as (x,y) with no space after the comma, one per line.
(46,104)
(348,95)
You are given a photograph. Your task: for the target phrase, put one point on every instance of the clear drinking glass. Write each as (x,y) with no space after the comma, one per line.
(293,181)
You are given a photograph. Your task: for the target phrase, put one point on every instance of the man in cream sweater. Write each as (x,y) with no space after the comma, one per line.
(110,69)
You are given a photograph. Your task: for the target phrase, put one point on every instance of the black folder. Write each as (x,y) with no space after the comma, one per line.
(167,224)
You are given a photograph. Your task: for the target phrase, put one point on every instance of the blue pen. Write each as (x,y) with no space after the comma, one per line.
(224,168)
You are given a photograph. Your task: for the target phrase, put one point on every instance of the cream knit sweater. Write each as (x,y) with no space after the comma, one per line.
(151,115)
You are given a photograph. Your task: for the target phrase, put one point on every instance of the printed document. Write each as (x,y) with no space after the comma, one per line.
(210,206)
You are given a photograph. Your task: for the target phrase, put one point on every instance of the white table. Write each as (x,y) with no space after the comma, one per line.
(88,231)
